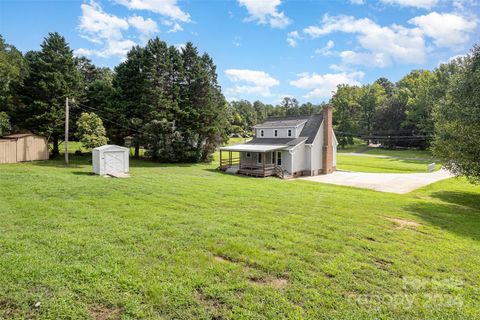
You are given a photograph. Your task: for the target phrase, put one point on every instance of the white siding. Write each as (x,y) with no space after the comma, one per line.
(299,156)
(335,144)
(281,132)
(287,161)
(316,151)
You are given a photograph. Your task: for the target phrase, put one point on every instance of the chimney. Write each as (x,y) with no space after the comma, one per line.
(327,154)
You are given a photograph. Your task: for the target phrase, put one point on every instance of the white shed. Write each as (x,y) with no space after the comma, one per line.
(110,159)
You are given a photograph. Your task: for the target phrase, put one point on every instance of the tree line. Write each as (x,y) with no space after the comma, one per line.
(165,99)
(168,101)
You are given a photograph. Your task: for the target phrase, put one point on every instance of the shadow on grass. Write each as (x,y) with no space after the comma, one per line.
(464,221)
(465,199)
(83,173)
(76,161)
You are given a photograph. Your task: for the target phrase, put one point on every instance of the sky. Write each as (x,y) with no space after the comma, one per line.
(264,49)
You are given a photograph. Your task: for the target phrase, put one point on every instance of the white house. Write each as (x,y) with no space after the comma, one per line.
(110,159)
(286,147)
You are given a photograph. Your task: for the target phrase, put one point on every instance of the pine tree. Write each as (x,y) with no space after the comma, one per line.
(53,77)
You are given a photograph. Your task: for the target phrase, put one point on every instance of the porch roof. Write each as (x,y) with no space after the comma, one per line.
(254,147)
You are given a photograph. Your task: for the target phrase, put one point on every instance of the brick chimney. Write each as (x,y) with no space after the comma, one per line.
(327,154)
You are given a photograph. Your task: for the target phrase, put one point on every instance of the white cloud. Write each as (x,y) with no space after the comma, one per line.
(167,8)
(146,27)
(405,45)
(357,1)
(292,38)
(103,28)
(97,25)
(83,52)
(266,12)
(250,82)
(369,59)
(446,29)
(326,51)
(324,85)
(424,4)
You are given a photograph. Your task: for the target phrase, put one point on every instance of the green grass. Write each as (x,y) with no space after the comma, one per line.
(188,242)
(386,165)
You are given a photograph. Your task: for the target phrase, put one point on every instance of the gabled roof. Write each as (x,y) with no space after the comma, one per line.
(254,147)
(281,122)
(111,147)
(309,131)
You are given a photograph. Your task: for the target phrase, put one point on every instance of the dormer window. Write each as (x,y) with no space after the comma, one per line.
(289,132)
(275,133)
(261,133)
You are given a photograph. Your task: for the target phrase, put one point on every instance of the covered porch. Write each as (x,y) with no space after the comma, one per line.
(252,160)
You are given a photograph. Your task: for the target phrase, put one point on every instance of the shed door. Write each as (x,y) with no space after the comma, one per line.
(114,161)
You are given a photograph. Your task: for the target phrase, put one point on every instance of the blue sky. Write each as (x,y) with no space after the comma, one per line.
(263,49)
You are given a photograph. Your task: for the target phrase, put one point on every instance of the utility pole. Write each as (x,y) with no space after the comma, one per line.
(67,110)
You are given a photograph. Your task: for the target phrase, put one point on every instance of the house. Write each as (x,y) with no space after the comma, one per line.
(23,147)
(286,147)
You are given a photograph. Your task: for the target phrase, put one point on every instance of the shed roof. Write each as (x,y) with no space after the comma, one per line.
(111,147)
(18,136)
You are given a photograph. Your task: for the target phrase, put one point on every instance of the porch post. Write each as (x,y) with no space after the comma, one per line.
(230,159)
(264,158)
(220,159)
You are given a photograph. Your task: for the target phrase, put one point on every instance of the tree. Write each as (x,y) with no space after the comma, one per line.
(457,121)
(4,124)
(53,77)
(387,85)
(90,130)
(160,88)
(416,91)
(131,83)
(13,71)
(372,98)
(346,112)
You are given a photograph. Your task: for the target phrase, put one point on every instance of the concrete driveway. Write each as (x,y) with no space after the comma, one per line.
(386,182)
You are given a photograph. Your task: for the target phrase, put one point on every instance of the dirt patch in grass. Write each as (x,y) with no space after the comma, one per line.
(10,310)
(220,258)
(275,282)
(102,312)
(211,304)
(401,223)
(382,264)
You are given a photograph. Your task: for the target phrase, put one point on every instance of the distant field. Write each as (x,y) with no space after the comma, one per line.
(185,241)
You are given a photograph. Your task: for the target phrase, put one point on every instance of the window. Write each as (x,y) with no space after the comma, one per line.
(275,133)
(261,133)
(249,155)
(259,160)
(289,132)
(279,158)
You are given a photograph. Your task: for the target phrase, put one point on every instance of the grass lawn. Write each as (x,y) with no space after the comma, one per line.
(188,242)
(387,165)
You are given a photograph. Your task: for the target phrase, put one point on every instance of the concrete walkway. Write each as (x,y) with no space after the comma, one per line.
(385,182)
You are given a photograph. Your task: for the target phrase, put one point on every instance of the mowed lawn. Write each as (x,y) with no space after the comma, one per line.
(393,164)
(189,242)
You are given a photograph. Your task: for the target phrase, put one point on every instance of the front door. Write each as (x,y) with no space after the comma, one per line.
(279,158)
